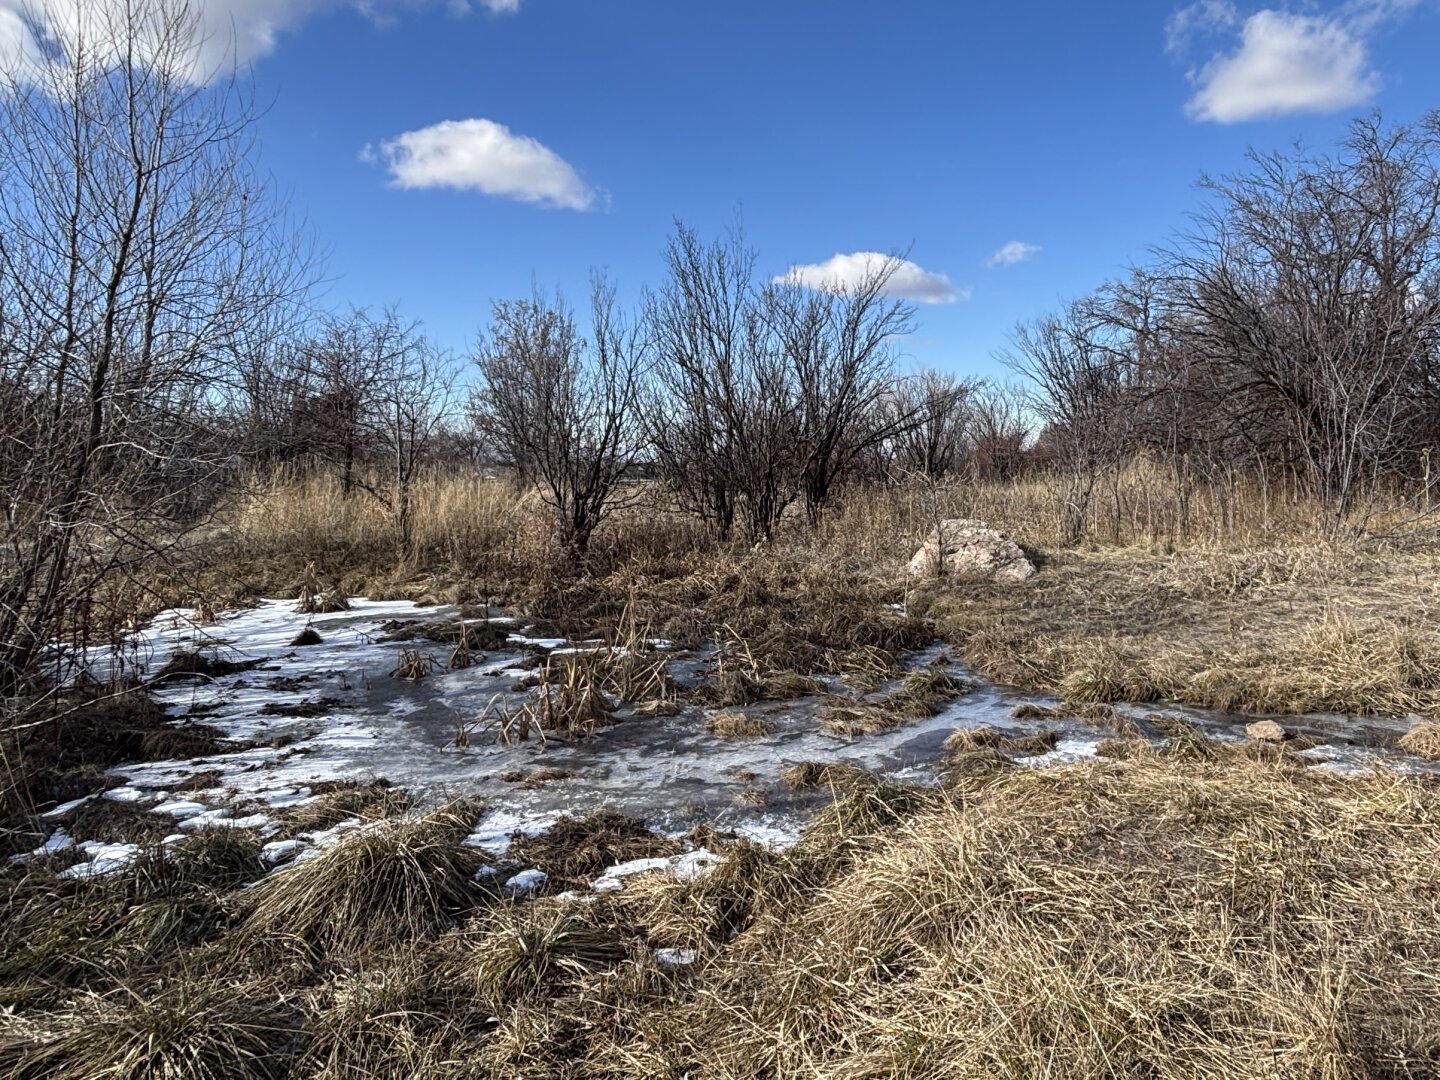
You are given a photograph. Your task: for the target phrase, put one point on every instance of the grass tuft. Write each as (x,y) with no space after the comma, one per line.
(393,881)
(197,1030)
(732,724)
(1422,740)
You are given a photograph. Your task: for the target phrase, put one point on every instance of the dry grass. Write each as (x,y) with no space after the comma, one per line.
(1109,921)
(336,801)
(851,721)
(571,700)
(731,725)
(1192,910)
(1154,918)
(383,884)
(313,598)
(964,740)
(1422,740)
(808,775)
(921,693)
(193,1029)
(413,664)
(1317,628)
(577,849)
(1228,600)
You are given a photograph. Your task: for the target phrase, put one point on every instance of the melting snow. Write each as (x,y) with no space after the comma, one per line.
(526,883)
(103,859)
(429,736)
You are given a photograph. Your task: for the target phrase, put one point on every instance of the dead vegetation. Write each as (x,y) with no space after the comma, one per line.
(734,724)
(1149,917)
(413,664)
(574,850)
(920,694)
(335,801)
(1343,627)
(313,598)
(388,883)
(65,757)
(1422,740)
(201,664)
(964,740)
(532,778)
(570,701)
(808,775)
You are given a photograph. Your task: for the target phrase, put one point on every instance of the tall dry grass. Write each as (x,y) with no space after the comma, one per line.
(463,519)
(1230,597)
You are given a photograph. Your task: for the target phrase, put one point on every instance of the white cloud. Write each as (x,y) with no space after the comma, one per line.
(1016,251)
(907,280)
(1201,19)
(481,155)
(1285,64)
(1276,61)
(226,31)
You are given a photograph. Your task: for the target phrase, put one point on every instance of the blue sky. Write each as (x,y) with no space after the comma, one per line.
(578,129)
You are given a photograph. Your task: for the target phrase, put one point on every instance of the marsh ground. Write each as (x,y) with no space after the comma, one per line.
(1108,884)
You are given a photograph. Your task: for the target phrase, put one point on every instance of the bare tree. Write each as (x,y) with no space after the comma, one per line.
(563,409)
(933,418)
(765,394)
(137,247)
(1310,287)
(1078,390)
(342,372)
(699,321)
(1000,433)
(838,341)
(403,401)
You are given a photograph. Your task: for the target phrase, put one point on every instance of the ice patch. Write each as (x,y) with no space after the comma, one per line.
(279,851)
(526,883)
(287,797)
(181,808)
(129,795)
(59,840)
(103,859)
(1066,750)
(691,866)
(204,819)
(495,831)
(66,807)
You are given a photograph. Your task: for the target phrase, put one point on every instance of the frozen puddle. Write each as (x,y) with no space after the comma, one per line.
(332,711)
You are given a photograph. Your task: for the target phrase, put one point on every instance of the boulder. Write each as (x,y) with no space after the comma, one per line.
(1267,731)
(969,550)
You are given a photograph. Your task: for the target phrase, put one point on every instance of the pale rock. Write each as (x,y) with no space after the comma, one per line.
(964,549)
(1267,731)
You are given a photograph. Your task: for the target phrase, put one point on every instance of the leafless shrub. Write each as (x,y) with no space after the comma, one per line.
(563,410)
(139,252)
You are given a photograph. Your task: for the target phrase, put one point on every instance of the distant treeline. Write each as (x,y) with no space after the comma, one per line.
(158,341)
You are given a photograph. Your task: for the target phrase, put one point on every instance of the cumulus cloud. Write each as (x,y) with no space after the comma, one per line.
(1283,61)
(1016,251)
(226,32)
(481,155)
(907,280)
